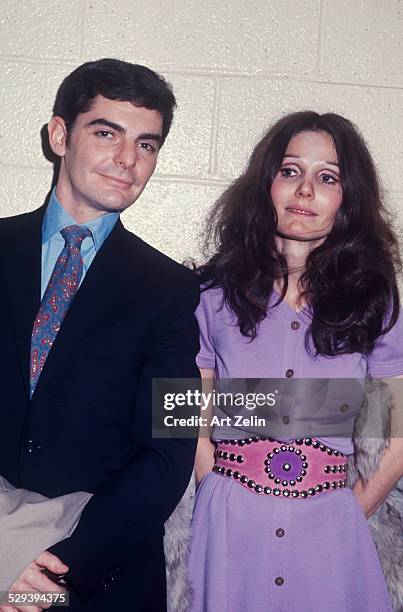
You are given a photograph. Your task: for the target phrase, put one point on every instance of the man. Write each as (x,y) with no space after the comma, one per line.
(91,314)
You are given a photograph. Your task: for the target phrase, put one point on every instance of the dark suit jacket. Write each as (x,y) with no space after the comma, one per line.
(88,425)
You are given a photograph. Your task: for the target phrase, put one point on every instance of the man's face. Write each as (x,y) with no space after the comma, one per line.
(111,154)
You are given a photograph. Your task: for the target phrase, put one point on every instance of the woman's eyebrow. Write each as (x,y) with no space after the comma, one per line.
(332,163)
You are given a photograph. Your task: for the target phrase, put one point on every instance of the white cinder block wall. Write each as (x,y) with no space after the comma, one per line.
(235,65)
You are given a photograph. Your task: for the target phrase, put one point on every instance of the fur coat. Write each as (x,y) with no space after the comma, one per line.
(371,437)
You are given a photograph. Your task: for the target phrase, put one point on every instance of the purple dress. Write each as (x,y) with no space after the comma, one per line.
(242,542)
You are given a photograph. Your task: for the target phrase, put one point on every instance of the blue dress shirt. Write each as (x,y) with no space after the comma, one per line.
(55,219)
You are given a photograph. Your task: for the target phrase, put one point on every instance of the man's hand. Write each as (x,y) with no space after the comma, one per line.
(32,579)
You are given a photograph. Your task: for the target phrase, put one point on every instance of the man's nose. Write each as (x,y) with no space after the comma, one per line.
(126,156)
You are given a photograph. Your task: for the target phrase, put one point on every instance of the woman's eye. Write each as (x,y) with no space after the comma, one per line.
(287,172)
(328,179)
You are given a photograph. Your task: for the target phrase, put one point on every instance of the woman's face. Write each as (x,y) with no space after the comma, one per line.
(306,191)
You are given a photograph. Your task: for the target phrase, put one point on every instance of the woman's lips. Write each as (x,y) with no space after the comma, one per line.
(301,211)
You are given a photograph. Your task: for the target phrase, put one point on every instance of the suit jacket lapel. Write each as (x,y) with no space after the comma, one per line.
(22,270)
(104,281)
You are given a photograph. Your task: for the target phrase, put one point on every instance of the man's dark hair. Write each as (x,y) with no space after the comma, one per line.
(115,80)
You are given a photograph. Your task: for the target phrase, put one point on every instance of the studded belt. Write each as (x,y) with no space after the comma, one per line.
(297,469)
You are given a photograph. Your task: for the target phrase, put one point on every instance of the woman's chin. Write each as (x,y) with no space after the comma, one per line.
(300,230)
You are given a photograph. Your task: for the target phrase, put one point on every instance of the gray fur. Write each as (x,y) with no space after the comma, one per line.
(371,438)
(176,546)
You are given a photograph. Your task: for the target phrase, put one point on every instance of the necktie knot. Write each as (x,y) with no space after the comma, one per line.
(74,235)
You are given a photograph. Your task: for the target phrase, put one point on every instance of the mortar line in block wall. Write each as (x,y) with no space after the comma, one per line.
(161,178)
(352,84)
(44,61)
(190,180)
(295,77)
(321,37)
(214,128)
(36,169)
(214,72)
(46,171)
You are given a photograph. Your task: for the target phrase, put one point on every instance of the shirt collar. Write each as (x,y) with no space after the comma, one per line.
(56,218)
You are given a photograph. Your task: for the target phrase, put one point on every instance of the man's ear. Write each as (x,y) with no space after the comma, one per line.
(57,131)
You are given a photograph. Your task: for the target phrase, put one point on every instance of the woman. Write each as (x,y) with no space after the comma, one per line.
(302,284)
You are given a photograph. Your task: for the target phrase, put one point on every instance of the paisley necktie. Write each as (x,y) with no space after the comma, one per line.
(59,294)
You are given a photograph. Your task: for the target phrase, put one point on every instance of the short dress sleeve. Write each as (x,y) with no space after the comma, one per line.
(204,315)
(387,357)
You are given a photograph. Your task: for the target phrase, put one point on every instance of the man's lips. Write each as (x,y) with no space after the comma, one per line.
(301,211)
(120,181)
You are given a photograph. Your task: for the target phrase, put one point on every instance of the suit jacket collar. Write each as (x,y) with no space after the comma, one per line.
(22,271)
(104,281)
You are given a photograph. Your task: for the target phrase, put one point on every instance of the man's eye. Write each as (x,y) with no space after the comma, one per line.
(104,134)
(146,146)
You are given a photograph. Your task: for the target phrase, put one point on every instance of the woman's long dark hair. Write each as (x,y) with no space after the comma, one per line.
(350,279)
